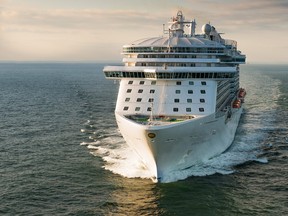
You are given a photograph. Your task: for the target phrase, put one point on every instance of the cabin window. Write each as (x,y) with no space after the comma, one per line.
(203,83)
(175,109)
(201,109)
(203,92)
(137,108)
(190,91)
(177,91)
(129,90)
(139,99)
(178,83)
(176,100)
(189,100)
(130,82)
(149,109)
(127,99)
(125,108)
(188,109)
(140,90)
(141,82)
(153,82)
(151,100)
(202,100)
(152,91)
(191,83)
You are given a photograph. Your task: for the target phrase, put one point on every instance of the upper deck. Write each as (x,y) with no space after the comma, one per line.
(180,75)
(180,53)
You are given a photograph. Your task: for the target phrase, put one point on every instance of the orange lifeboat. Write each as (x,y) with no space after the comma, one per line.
(236,103)
(242,93)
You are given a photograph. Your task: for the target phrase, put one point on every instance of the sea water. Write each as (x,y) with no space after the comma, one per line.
(61,151)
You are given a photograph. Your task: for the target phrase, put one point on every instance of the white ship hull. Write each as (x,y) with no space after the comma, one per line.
(179,100)
(180,145)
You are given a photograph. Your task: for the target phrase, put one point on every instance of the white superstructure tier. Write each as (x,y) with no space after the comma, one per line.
(178,101)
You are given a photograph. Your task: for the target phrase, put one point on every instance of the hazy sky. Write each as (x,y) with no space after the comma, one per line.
(95,30)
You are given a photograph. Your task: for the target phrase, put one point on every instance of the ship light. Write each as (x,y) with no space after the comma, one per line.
(151,135)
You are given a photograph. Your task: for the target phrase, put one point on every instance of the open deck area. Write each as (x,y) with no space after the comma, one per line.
(159,119)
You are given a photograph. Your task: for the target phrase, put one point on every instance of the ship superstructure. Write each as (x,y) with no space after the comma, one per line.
(179,99)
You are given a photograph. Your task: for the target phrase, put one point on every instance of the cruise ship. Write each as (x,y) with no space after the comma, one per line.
(179,100)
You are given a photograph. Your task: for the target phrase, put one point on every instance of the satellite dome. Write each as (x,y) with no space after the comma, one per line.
(206,29)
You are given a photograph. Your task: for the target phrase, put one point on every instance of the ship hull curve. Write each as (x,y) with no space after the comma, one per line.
(181,145)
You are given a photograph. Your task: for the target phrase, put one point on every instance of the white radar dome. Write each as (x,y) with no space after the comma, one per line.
(206,29)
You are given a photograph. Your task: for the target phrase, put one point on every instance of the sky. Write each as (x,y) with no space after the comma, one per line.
(96,30)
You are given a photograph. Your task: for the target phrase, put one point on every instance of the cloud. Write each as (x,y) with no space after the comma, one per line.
(67,33)
(73,19)
(97,31)
(244,14)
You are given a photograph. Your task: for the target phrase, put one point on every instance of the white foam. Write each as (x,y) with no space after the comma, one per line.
(92,138)
(262,160)
(96,143)
(92,147)
(84,143)
(120,159)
